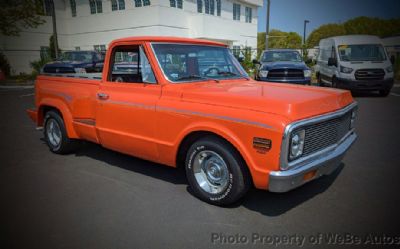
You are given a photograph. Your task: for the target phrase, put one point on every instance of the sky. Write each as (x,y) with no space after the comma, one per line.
(289,15)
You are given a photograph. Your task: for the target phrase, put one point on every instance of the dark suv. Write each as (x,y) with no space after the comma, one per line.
(76,62)
(282,65)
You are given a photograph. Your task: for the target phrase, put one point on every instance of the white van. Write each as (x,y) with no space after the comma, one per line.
(354,62)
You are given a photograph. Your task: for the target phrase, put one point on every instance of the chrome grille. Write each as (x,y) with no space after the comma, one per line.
(322,135)
(286,74)
(370,74)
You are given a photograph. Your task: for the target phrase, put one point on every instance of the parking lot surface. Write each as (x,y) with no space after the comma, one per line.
(97,198)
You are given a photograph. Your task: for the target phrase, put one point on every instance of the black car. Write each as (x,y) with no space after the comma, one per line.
(282,65)
(76,62)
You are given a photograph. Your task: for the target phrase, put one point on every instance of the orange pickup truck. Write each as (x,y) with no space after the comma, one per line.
(189,103)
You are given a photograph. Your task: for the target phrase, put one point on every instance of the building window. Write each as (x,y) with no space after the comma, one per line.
(73,7)
(99,48)
(180,4)
(77,48)
(176,4)
(96,6)
(218,7)
(248,13)
(236,11)
(44,53)
(48,5)
(200,6)
(117,5)
(207,6)
(140,3)
(236,51)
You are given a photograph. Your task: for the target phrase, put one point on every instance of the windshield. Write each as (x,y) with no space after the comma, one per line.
(183,63)
(364,52)
(271,56)
(77,56)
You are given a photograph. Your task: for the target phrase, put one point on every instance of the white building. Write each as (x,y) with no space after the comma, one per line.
(93,24)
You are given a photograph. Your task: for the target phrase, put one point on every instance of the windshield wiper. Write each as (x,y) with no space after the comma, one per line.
(232,74)
(194,76)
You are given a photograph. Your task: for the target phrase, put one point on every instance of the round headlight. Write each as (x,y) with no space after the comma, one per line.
(297,144)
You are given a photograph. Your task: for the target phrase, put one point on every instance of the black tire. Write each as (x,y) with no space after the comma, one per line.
(319,81)
(66,145)
(238,179)
(334,82)
(384,93)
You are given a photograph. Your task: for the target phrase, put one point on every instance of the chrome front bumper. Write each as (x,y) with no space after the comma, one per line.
(323,164)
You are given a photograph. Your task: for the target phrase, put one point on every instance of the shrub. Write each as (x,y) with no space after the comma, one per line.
(4,64)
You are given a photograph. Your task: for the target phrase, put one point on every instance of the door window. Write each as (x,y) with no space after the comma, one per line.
(130,65)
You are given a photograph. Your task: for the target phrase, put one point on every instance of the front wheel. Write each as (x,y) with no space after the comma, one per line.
(215,172)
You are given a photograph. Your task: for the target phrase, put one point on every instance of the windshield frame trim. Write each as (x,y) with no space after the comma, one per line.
(188,81)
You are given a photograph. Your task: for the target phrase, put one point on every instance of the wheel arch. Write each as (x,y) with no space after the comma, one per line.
(60,108)
(192,136)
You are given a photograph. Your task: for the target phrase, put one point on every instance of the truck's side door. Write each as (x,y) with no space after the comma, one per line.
(127,98)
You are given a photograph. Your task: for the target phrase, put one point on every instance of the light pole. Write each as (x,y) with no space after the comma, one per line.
(267,24)
(304,36)
(55,38)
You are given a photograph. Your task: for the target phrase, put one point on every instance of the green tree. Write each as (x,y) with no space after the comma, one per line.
(324,31)
(278,39)
(357,26)
(16,15)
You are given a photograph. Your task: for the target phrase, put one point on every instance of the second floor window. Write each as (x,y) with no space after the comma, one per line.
(117,5)
(248,14)
(176,4)
(73,7)
(140,3)
(212,7)
(236,11)
(96,6)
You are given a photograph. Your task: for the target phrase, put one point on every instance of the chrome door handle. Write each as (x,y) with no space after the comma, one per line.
(102,96)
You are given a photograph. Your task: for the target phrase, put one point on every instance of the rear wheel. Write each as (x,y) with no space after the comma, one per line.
(55,134)
(215,171)
(384,93)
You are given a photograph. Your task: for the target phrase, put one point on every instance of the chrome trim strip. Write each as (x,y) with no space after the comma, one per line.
(86,121)
(237,120)
(283,161)
(202,114)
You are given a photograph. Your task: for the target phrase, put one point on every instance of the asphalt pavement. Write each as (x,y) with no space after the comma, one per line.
(97,198)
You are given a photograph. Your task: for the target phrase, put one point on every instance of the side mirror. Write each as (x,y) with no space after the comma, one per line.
(308,61)
(240,59)
(332,62)
(392,59)
(256,62)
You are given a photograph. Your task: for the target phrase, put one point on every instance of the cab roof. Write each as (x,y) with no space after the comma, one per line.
(168,39)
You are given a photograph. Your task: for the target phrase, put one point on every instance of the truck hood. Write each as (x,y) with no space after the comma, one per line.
(283,65)
(291,101)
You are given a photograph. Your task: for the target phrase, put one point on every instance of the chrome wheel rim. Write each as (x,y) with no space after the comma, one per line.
(210,171)
(53,132)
